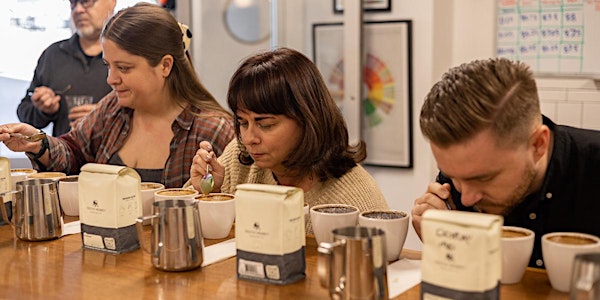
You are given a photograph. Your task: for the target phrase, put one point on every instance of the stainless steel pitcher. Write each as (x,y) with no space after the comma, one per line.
(354,265)
(36,214)
(176,242)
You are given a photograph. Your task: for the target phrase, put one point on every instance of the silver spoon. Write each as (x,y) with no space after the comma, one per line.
(32,138)
(61,92)
(207,183)
(56,92)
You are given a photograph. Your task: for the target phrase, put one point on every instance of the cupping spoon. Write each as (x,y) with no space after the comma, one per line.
(56,92)
(31,138)
(207,183)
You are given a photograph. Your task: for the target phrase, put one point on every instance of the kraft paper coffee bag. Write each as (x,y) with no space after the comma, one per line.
(4,175)
(270,233)
(5,184)
(461,256)
(109,203)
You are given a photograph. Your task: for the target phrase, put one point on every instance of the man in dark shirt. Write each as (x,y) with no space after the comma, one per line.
(497,154)
(69,67)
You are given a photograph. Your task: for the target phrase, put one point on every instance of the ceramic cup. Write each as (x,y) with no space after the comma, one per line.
(517,244)
(217,213)
(68,192)
(175,193)
(20,174)
(327,217)
(395,225)
(559,250)
(148,190)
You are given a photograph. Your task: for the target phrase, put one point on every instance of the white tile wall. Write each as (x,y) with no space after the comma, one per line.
(569,114)
(568,101)
(549,109)
(591,115)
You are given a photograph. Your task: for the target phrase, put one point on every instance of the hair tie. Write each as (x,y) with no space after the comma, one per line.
(186,36)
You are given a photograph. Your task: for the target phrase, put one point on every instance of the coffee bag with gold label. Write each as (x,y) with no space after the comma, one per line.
(461,255)
(110,200)
(269,233)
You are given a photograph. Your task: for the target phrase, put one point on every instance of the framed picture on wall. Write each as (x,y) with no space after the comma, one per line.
(387,77)
(368,5)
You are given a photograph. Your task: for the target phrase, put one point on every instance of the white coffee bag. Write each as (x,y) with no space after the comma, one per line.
(4,175)
(270,234)
(461,255)
(5,184)
(109,203)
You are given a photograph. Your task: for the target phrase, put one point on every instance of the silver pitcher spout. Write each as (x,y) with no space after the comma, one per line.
(354,265)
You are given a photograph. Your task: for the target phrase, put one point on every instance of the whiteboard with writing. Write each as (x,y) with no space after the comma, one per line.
(552,36)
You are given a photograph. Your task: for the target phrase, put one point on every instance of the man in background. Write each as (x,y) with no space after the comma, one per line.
(498,154)
(69,67)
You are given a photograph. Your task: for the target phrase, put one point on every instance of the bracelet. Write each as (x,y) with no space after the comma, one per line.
(45,146)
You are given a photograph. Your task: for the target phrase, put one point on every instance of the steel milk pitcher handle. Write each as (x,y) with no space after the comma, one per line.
(139,226)
(331,269)
(3,206)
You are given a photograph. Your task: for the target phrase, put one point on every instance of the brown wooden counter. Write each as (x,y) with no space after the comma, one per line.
(62,269)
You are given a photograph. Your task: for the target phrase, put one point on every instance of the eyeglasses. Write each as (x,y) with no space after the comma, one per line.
(84,3)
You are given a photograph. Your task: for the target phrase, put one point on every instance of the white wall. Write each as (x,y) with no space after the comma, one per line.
(445,33)
(216,54)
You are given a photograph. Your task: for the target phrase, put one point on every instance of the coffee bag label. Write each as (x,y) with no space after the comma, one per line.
(110,200)
(270,233)
(4,174)
(461,255)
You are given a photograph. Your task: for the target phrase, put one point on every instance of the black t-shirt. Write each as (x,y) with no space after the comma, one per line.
(568,199)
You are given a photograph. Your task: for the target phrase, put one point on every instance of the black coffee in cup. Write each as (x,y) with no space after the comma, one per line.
(335,210)
(507,233)
(385,215)
(214,197)
(572,240)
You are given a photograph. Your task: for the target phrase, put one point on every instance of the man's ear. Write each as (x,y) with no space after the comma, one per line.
(540,141)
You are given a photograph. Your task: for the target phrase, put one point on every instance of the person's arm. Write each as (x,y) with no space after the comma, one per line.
(17,136)
(28,111)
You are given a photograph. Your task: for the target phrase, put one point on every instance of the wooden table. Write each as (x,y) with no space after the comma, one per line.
(62,269)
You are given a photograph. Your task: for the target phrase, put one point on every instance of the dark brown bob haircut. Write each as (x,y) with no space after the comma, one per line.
(285,82)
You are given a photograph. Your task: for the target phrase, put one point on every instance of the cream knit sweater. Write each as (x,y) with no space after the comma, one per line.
(357,187)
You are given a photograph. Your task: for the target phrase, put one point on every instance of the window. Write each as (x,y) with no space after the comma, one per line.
(30,26)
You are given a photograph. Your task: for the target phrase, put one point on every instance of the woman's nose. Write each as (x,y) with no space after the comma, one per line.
(112,79)
(249,136)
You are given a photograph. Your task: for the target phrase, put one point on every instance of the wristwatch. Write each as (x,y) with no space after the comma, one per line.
(45,146)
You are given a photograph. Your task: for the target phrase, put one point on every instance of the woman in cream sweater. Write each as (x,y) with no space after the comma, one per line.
(289,132)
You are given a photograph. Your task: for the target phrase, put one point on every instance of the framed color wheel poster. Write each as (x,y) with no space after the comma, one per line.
(387,78)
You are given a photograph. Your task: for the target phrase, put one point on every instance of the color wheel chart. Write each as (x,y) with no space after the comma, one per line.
(381,88)
(386,123)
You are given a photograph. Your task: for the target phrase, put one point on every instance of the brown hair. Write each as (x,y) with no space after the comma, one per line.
(150,31)
(285,82)
(495,93)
